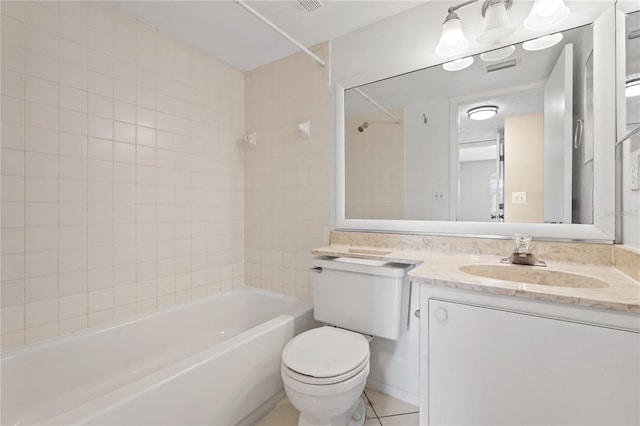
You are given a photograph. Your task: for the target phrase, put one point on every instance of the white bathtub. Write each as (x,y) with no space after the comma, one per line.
(213,361)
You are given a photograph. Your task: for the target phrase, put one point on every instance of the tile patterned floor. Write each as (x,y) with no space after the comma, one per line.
(382,410)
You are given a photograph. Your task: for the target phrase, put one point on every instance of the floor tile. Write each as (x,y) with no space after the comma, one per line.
(386,411)
(385,405)
(401,420)
(368,407)
(372,422)
(284,414)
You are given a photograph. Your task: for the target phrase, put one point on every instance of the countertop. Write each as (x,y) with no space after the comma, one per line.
(621,294)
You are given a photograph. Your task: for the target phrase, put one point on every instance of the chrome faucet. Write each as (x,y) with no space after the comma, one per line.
(522,255)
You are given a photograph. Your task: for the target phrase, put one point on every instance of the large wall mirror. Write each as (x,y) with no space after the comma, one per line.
(492,142)
(505,141)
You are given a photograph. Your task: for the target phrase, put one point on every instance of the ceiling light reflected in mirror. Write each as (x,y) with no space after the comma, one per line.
(543,42)
(483,112)
(498,54)
(458,64)
(632,88)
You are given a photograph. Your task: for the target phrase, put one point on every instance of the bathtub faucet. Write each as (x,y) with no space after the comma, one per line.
(522,254)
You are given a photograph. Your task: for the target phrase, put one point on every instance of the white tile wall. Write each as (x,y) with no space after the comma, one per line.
(287,208)
(122,178)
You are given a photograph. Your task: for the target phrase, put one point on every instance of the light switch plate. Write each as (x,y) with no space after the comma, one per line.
(518,198)
(437,197)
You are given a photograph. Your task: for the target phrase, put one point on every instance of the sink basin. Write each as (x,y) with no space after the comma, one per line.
(533,275)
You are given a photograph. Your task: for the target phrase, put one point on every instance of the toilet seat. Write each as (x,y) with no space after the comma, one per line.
(304,378)
(325,355)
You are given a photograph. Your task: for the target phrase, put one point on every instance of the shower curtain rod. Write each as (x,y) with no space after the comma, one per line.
(279,31)
(380,107)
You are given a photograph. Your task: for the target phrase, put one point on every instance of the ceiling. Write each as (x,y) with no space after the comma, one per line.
(229,32)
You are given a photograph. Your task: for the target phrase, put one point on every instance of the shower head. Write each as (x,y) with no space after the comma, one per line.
(363,126)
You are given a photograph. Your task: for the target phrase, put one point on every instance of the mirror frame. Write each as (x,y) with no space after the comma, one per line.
(604,219)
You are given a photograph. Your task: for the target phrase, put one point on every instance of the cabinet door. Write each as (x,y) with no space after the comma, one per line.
(492,367)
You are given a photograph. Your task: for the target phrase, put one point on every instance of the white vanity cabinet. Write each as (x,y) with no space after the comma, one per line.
(496,360)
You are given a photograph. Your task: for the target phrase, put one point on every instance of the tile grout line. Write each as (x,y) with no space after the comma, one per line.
(399,414)
(371,405)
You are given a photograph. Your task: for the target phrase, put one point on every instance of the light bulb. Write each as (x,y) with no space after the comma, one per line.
(496,25)
(546,8)
(545,14)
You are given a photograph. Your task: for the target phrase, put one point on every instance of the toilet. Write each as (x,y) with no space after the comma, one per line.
(325,369)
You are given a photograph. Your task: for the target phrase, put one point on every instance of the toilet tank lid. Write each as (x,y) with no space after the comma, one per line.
(360,261)
(365,266)
(325,352)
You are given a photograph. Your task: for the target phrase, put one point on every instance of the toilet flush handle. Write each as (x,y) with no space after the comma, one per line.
(316,269)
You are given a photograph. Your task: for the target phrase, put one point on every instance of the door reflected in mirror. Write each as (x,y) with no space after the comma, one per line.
(505,139)
(632,75)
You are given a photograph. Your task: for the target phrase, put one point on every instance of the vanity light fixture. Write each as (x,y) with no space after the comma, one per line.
(496,25)
(458,64)
(632,88)
(498,54)
(546,14)
(483,112)
(452,39)
(543,42)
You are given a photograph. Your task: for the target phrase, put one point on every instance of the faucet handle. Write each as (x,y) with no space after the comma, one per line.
(522,242)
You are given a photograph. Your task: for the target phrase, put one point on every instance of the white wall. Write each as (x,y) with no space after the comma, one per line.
(122,182)
(427,160)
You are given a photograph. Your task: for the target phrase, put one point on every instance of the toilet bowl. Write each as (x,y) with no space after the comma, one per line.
(324,371)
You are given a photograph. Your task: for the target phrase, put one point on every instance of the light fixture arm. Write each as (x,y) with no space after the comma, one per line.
(485,6)
(452,9)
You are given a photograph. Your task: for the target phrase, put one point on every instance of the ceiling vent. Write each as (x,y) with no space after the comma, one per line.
(502,65)
(310,5)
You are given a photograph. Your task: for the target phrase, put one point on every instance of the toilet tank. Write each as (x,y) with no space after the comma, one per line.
(370,297)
